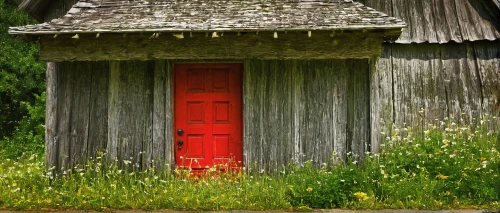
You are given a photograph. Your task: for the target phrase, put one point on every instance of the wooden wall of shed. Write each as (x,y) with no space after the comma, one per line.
(305,110)
(294,111)
(430,82)
(122,108)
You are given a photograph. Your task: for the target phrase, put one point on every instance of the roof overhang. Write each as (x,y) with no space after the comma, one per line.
(139,30)
(228,45)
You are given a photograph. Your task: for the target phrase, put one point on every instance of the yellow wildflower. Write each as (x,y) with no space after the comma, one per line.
(361,195)
(442,177)
(483,159)
(309,189)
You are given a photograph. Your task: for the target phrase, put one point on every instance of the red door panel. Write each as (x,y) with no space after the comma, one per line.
(208,108)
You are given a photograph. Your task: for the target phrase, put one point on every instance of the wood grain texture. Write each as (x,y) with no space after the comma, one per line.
(442,21)
(159,117)
(375,115)
(169,116)
(358,110)
(432,82)
(98,120)
(113,111)
(79,84)
(293,45)
(134,111)
(51,117)
(298,110)
(294,110)
(487,60)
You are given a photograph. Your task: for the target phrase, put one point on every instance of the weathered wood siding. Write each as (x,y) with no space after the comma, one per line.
(305,110)
(294,111)
(459,81)
(231,46)
(118,107)
(442,21)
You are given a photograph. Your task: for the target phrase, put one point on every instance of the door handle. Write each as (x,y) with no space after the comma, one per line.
(180,132)
(180,142)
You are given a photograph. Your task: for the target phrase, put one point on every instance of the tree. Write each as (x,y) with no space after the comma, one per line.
(22,82)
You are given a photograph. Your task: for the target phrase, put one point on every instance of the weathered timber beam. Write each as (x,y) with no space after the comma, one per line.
(292,45)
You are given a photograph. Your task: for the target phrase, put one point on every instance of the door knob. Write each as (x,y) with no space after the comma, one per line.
(179,144)
(180,132)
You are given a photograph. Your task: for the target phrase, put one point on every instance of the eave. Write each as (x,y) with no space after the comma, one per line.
(201,46)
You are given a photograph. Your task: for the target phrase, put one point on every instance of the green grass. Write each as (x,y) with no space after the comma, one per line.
(443,167)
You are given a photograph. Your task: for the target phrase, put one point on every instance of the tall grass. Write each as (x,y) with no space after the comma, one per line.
(445,166)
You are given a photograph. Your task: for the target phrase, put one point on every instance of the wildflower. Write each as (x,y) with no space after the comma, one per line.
(483,159)
(442,177)
(309,189)
(361,195)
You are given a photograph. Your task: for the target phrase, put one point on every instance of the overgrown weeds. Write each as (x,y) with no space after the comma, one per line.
(445,166)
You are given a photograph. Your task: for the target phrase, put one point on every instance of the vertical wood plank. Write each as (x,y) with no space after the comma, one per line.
(159,116)
(134,111)
(146,151)
(375,105)
(443,32)
(452,21)
(64,113)
(98,121)
(51,118)
(79,81)
(339,109)
(488,64)
(384,73)
(314,124)
(298,111)
(114,109)
(358,111)
(248,115)
(169,115)
(473,85)
(434,96)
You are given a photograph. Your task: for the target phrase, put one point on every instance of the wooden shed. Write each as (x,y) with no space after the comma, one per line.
(265,83)
(197,83)
(445,64)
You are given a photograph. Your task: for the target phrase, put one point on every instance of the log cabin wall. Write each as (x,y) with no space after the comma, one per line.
(294,111)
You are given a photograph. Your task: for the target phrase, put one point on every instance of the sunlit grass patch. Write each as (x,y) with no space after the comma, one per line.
(445,166)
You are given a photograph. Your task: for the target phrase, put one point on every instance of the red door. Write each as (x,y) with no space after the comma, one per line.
(208,115)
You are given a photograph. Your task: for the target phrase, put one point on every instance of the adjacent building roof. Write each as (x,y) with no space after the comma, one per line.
(112,16)
(442,21)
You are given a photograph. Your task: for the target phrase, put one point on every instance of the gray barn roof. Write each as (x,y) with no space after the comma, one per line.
(442,21)
(111,16)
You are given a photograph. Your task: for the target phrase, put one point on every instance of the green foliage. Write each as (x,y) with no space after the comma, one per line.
(325,187)
(22,80)
(450,166)
(29,135)
(444,167)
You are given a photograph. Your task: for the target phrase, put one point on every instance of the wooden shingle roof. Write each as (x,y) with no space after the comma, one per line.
(111,16)
(443,21)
